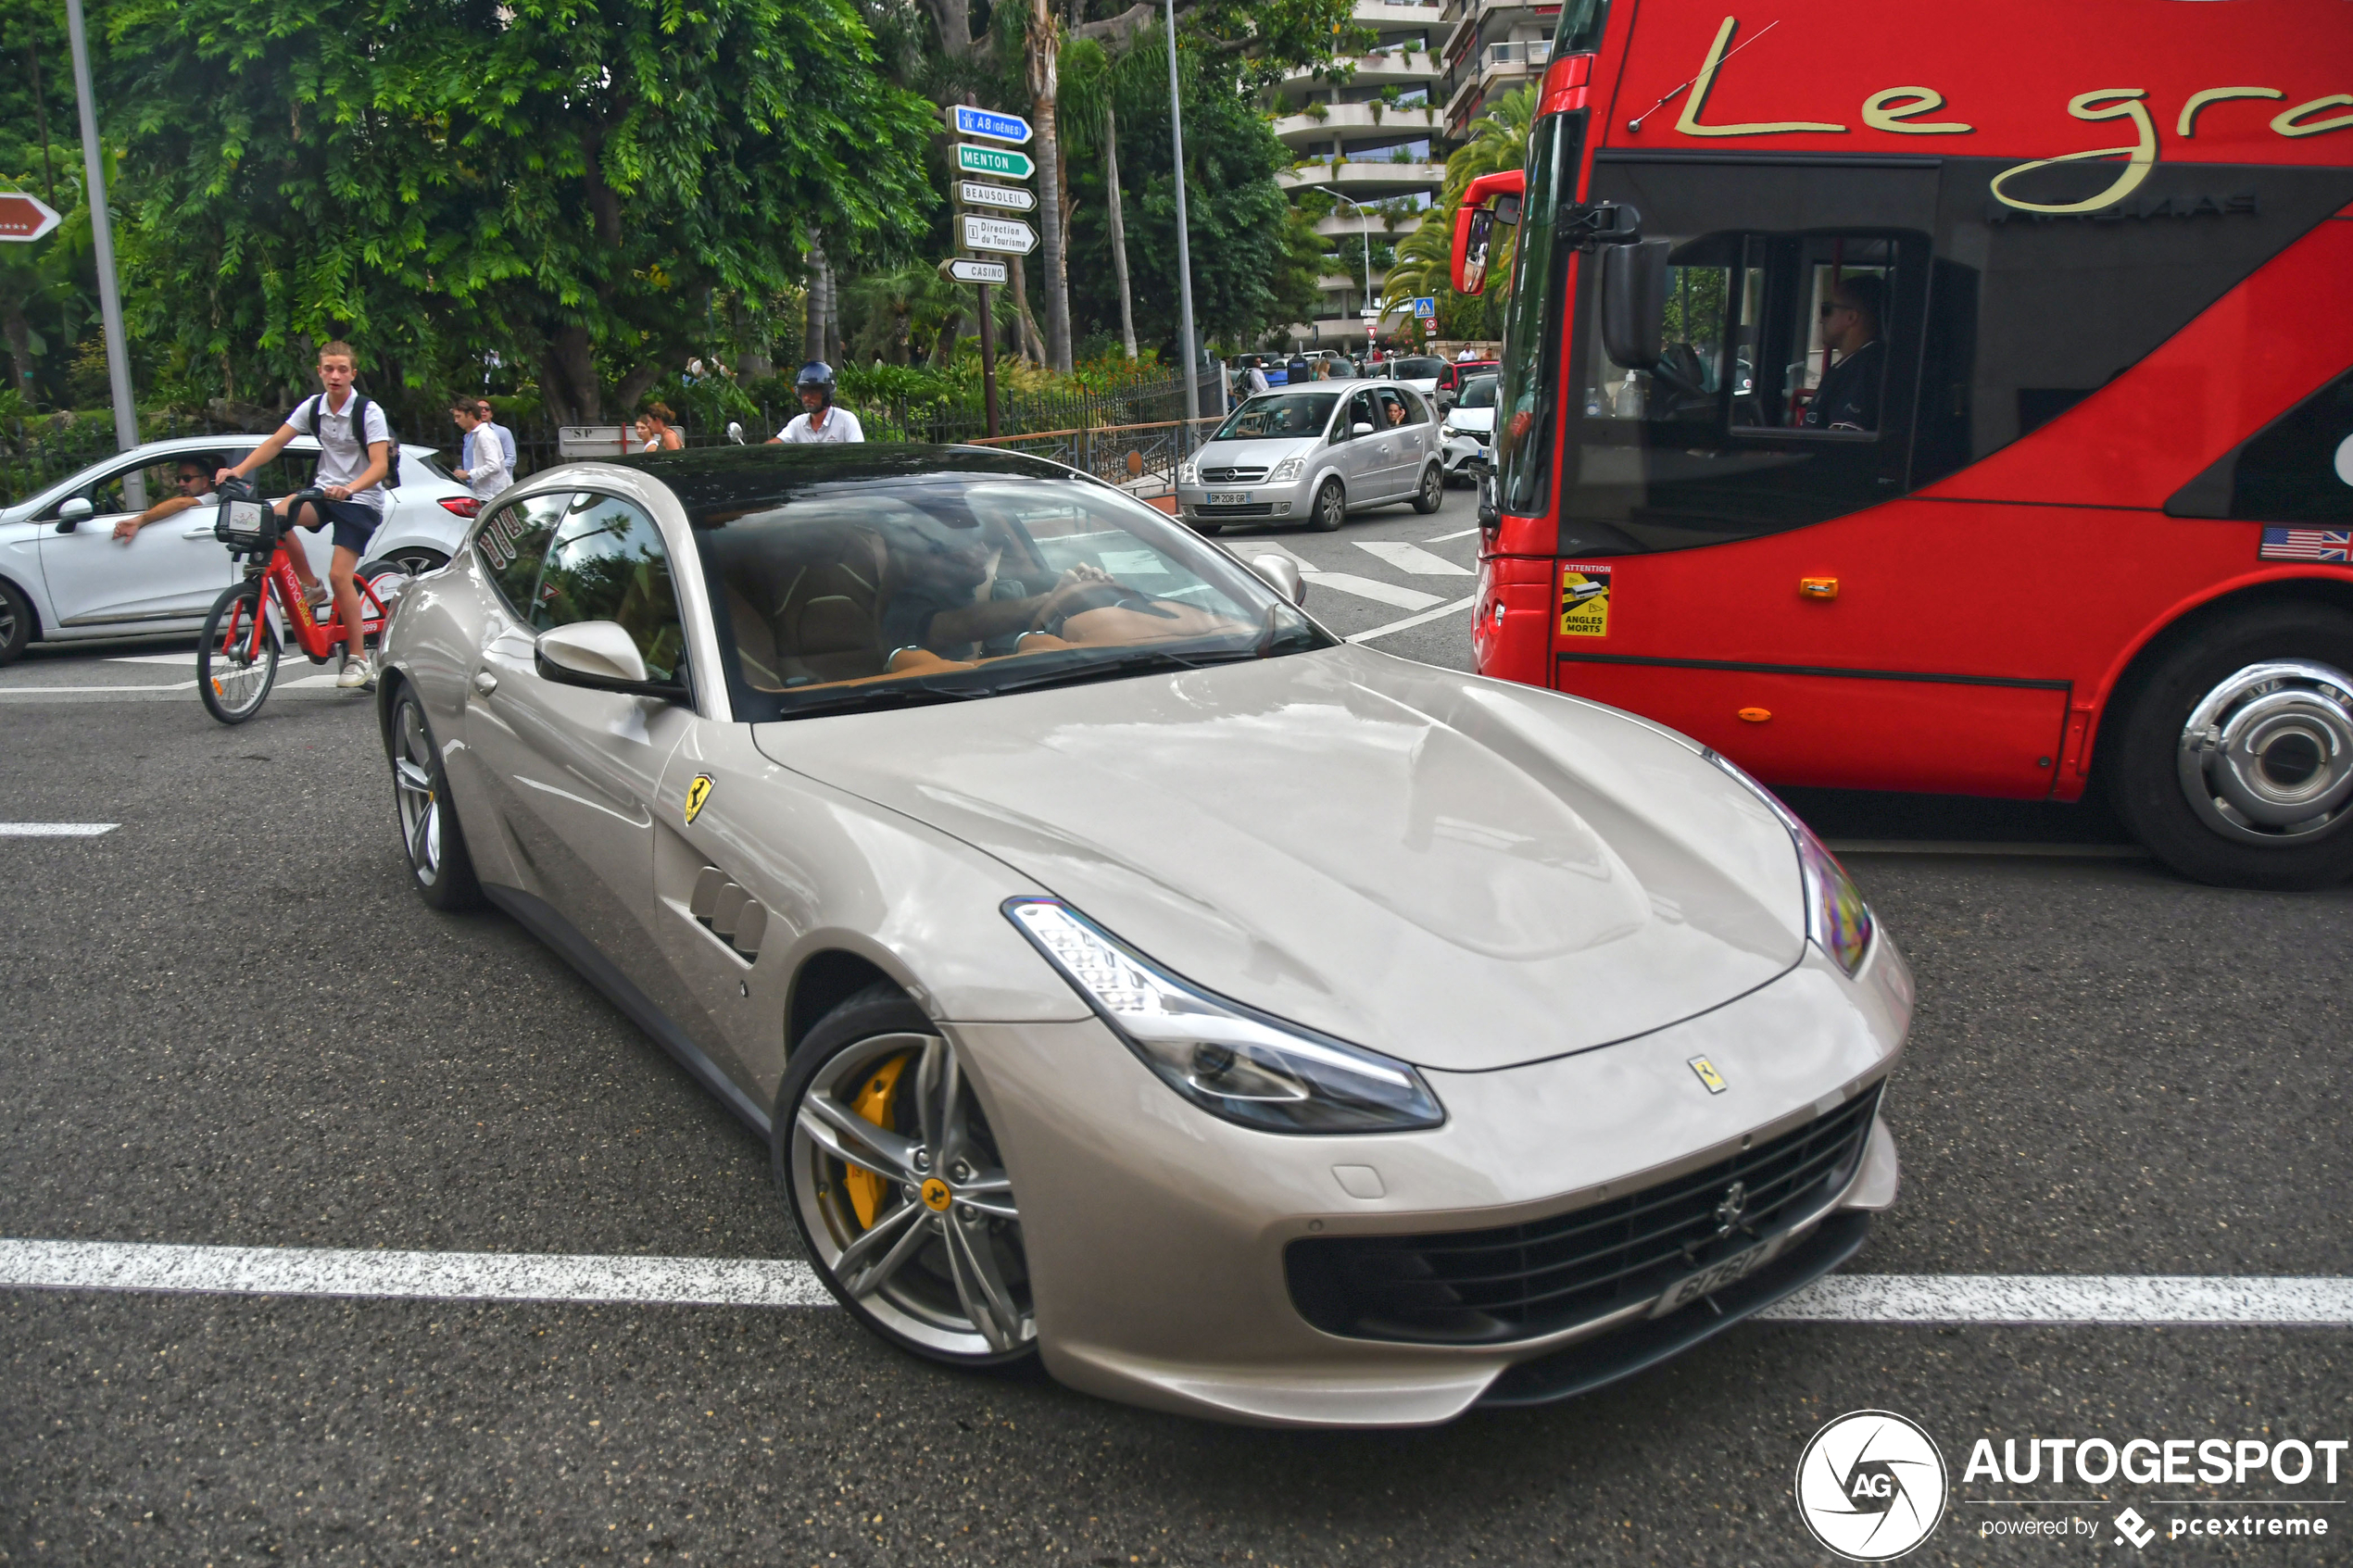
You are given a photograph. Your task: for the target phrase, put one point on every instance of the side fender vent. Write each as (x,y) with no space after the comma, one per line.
(728,913)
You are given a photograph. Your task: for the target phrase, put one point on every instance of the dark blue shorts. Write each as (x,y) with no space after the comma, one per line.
(354,522)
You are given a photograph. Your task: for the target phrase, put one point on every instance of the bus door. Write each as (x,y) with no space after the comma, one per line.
(1731,479)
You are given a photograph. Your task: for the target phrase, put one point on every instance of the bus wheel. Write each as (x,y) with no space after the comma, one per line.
(2236,760)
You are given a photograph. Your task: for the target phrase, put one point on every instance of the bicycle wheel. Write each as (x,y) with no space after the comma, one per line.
(233,680)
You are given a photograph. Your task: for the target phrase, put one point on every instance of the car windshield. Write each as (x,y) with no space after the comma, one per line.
(1278,415)
(1478,393)
(1416,369)
(906,589)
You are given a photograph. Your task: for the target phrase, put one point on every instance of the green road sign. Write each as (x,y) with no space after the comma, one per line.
(1002,162)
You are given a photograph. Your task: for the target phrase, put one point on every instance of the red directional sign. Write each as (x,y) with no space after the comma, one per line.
(24,218)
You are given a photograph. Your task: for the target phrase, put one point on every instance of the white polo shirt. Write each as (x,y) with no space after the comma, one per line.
(343,457)
(840,425)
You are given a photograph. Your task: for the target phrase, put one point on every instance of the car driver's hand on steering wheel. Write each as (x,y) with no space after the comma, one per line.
(1075,580)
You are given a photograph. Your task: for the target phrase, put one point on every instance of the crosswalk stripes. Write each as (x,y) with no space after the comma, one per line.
(1411,559)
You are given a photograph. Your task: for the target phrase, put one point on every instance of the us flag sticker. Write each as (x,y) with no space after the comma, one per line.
(2307,544)
(1584,601)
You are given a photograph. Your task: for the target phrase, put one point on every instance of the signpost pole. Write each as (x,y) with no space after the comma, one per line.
(126,414)
(1184,235)
(988,361)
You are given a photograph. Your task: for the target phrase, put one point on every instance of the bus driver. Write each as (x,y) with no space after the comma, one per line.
(1848,398)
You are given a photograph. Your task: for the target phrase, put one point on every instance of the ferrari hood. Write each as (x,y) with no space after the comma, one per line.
(1459,873)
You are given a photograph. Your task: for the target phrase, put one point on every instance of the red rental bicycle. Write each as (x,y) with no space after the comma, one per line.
(237,661)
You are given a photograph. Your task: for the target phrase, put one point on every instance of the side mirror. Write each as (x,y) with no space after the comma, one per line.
(599,655)
(736,431)
(74,513)
(1360,428)
(1474,233)
(1282,575)
(1634,303)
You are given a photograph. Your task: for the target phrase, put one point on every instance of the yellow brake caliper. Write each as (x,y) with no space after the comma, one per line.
(873,1104)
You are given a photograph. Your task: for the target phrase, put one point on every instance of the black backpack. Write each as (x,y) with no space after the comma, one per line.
(358,412)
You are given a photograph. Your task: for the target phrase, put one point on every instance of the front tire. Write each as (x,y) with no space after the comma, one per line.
(1432,494)
(895,1178)
(1331,506)
(439,866)
(234,683)
(15,624)
(2234,762)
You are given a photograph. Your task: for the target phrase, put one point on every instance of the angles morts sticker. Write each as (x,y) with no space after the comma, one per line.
(1584,601)
(696,792)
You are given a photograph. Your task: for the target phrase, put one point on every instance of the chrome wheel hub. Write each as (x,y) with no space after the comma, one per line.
(2267,756)
(899,1181)
(420,803)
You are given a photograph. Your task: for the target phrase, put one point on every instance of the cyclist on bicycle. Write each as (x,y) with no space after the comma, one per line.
(352,466)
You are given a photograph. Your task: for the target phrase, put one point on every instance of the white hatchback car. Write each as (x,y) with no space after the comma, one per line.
(64,577)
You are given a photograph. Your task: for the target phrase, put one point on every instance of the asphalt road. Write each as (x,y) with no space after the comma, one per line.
(228,1021)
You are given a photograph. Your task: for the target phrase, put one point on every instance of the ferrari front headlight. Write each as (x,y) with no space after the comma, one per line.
(1231,1061)
(1837,920)
(1287,469)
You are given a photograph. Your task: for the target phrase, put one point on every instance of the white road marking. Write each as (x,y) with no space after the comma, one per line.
(51,691)
(1412,557)
(185,660)
(55,830)
(2279,1301)
(1441,613)
(2288,1302)
(1373,588)
(470,1276)
(1458,534)
(1963,846)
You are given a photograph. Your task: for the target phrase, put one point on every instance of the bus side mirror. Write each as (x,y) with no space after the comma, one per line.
(1634,303)
(1474,232)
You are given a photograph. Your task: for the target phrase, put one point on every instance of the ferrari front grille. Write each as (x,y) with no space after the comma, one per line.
(1525,1281)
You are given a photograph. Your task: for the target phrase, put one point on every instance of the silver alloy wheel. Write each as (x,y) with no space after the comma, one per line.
(2267,756)
(412,785)
(937,1257)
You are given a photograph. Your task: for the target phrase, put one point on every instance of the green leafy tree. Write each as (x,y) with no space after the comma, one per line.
(47,299)
(578,184)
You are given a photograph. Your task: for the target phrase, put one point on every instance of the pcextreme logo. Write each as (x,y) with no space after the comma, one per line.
(1870,1485)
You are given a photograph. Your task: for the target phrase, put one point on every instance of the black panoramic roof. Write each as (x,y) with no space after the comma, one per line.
(722,482)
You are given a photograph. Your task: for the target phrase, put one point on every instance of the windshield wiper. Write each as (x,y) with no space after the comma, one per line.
(912,693)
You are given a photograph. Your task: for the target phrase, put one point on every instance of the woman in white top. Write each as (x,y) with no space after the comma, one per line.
(655,432)
(820,420)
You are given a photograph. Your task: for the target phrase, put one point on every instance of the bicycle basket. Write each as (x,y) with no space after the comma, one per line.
(245,521)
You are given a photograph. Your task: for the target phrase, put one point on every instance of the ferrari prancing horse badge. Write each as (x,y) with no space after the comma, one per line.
(696,792)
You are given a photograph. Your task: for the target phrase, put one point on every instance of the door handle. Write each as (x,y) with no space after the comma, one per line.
(204,532)
(485,682)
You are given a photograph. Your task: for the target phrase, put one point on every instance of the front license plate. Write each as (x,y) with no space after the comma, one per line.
(1715,1276)
(1227,497)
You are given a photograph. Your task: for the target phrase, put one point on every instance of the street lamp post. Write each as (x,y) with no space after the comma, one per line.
(1183,234)
(126,413)
(1372,323)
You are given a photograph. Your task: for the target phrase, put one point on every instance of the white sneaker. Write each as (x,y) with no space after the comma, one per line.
(317,596)
(356,674)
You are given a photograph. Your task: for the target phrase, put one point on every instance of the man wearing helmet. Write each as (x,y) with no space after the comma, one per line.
(822,422)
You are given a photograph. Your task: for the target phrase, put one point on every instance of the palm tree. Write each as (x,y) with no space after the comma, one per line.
(1425,257)
(1094,84)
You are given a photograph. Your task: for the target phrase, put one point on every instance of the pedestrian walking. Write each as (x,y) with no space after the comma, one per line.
(656,432)
(485,453)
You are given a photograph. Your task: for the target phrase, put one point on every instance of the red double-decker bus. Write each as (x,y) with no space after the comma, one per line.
(1945,398)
